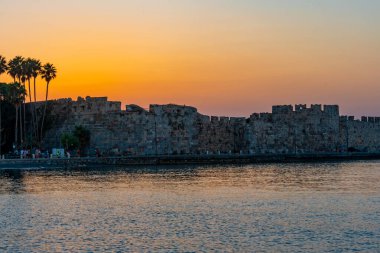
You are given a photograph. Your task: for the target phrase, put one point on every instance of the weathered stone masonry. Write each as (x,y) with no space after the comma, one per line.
(174,129)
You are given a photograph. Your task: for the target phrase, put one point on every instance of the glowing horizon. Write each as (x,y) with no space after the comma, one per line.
(223,57)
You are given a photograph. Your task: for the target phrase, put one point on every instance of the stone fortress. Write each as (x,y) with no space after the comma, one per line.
(174,129)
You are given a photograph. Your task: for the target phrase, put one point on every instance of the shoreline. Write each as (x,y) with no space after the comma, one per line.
(88,162)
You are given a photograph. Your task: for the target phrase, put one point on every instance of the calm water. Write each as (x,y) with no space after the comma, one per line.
(293,208)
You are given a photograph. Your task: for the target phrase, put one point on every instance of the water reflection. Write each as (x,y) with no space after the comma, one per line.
(12,181)
(289,207)
(286,177)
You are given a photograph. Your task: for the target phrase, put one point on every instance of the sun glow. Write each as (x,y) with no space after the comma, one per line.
(223,58)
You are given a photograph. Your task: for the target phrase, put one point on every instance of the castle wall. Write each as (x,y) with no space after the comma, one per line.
(174,129)
(220,135)
(359,135)
(288,131)
(131,133)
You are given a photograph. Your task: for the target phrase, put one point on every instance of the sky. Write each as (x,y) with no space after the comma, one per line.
(225,57)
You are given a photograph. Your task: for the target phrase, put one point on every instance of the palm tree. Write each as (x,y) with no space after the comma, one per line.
(26,74)
(3,91)
(27,68)
(15,70)
(3,69)
(12,70)
(16,95)
(35,69)
(3,65)
(48,73)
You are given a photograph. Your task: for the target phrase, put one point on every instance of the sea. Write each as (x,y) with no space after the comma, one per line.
(295,207)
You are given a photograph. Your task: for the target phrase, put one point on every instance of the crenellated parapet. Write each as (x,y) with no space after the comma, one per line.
(282,109)
(301,129)
(94,105)
(314,108)
(365,119)
(331,109)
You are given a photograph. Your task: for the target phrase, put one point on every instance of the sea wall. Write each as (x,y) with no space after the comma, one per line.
(175,129)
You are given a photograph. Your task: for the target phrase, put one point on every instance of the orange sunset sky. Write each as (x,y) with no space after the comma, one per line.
(223,57)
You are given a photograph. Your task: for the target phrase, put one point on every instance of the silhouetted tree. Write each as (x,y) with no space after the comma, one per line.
(3,65)
(69,141)
(3,94)
(3,91)
(84,137)
(48,73)
(15,70)
(35,71)
(22,71)
(16,95)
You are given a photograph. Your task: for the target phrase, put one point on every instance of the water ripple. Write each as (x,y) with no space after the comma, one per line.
(329,207)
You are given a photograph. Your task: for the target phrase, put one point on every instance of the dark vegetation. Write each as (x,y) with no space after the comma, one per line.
(23,125)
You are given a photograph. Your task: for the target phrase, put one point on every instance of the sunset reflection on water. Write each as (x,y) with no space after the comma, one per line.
(287,207)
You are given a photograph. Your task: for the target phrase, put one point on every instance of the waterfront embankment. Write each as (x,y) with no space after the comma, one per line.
(179,159)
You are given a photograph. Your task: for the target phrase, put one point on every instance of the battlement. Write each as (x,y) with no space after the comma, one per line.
(346,118)
(364,119)
(221,120)
(95,105)
(282,109)
(265,116)
(370,119)
(300,107)
(331,109)
(315,108)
